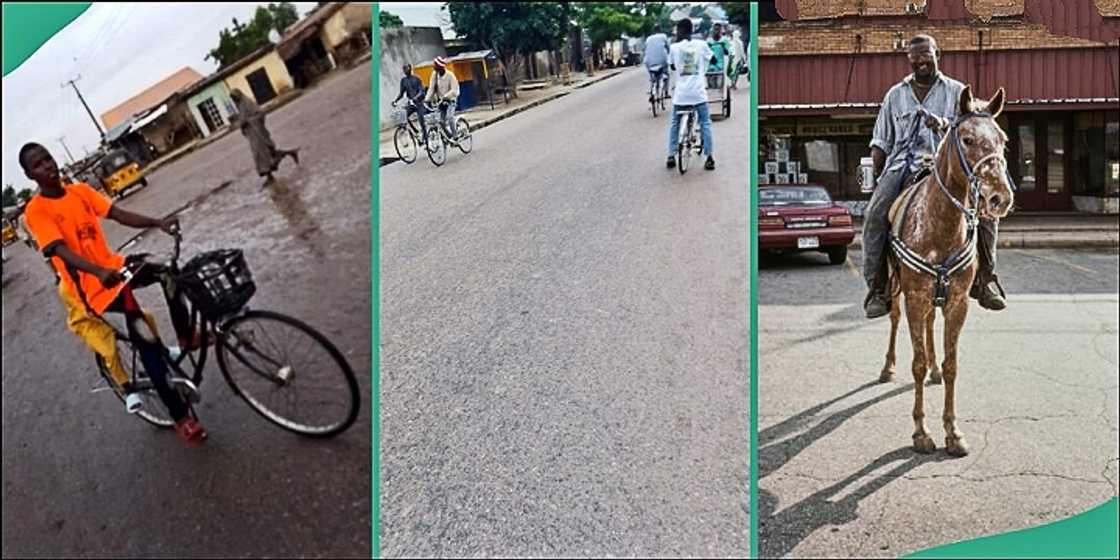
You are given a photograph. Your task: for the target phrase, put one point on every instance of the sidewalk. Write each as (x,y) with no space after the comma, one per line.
(482,116)
(1049,231)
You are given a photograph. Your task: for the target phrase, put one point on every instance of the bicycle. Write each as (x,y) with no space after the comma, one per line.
(217,285)
(659,92)
(689,139)
(438,138)
(408,133)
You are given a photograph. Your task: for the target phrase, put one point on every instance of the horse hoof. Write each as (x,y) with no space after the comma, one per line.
(886,376)
(956,447)
(935,377)
(924,445)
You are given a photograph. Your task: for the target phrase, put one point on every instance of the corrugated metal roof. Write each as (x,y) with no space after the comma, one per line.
(1089,73)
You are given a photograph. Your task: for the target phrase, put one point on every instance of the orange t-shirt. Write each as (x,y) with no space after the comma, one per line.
(74,219)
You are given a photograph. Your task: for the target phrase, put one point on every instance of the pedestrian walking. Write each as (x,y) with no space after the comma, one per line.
(266,155)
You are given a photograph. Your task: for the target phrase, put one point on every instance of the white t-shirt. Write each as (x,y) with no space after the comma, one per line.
(691,61)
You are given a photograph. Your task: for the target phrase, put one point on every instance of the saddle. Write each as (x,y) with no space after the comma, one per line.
(902,202)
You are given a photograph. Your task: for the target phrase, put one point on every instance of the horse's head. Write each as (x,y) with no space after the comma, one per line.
(983,145)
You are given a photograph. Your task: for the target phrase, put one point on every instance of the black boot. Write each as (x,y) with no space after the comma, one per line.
(988,293)
(878,301)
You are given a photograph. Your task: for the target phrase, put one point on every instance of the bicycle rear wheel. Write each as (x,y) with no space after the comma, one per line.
(405,143)
(684,145)
(154,411)
(288,373)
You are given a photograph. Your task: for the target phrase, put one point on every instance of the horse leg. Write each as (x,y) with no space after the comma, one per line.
(917,314)
(888,368)
(931,354)
(955,444)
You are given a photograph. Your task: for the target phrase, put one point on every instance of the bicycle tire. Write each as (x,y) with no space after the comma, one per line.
(403,137)
(466,139)
(653,103)
(347,374)
(150,398)
(684,147)
(435,145)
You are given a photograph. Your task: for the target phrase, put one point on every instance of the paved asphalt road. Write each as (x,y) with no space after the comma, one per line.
(1037,399)
(81,478)
(564,339)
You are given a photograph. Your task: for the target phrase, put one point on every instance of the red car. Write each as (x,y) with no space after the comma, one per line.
(803,218)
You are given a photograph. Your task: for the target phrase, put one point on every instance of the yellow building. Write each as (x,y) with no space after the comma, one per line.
(263,78)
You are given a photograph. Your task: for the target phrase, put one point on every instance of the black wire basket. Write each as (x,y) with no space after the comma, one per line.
(218,283)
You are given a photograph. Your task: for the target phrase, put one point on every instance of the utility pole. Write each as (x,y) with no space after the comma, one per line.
(62,140)
(83,100)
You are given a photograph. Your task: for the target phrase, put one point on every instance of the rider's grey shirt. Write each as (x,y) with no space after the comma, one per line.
(897,114)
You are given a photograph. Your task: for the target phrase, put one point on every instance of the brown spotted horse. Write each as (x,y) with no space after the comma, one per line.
(933,250)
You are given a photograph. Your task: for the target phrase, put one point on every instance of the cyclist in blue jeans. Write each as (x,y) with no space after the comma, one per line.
(656,59)
(689,59)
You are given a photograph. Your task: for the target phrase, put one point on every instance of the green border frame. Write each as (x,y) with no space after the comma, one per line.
(28,26)
(752,169)
(375,287)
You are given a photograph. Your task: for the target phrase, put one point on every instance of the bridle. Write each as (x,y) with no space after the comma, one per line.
(962,256)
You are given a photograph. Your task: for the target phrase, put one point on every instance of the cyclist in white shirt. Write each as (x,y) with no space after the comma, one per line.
(689,59)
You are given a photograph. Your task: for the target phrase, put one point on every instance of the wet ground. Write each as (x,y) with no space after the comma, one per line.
(1036,399)
(82,478)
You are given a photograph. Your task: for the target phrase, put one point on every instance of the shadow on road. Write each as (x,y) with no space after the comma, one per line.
(780,532)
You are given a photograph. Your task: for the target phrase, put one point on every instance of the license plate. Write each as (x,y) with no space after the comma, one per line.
(808,242)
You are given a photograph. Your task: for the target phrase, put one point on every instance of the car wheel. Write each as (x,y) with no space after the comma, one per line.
(837,255)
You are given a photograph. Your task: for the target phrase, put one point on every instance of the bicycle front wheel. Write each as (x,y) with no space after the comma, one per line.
(466,139)
(437,149)
(405,143)
(288,373)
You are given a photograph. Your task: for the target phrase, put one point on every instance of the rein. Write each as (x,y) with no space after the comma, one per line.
(960,257)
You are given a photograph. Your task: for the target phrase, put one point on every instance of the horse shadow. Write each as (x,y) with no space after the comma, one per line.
(780,532)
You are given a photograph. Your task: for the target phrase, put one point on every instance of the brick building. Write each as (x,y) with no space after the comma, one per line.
(825,65)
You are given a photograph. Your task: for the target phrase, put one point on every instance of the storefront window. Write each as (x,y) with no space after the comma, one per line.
(1026,157)
(1055,162)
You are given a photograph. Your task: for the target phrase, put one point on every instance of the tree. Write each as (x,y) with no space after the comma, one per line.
(608,21)
(739,14)
(25,195)
(10,197)
(242,39)
(389,20)
(511,29)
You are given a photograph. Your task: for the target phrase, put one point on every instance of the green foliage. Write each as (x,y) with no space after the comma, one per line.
(24,195)
(511,27)
(389,20)
(739,14)
(608,21)
(242,39)
(10,196)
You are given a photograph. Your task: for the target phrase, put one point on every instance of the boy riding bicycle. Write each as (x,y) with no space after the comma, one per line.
(64,219)
(689,58)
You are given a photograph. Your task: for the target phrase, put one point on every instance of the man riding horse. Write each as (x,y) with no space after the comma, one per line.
(901,148)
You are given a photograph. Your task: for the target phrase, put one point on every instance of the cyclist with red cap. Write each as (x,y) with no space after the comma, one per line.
(444,90)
